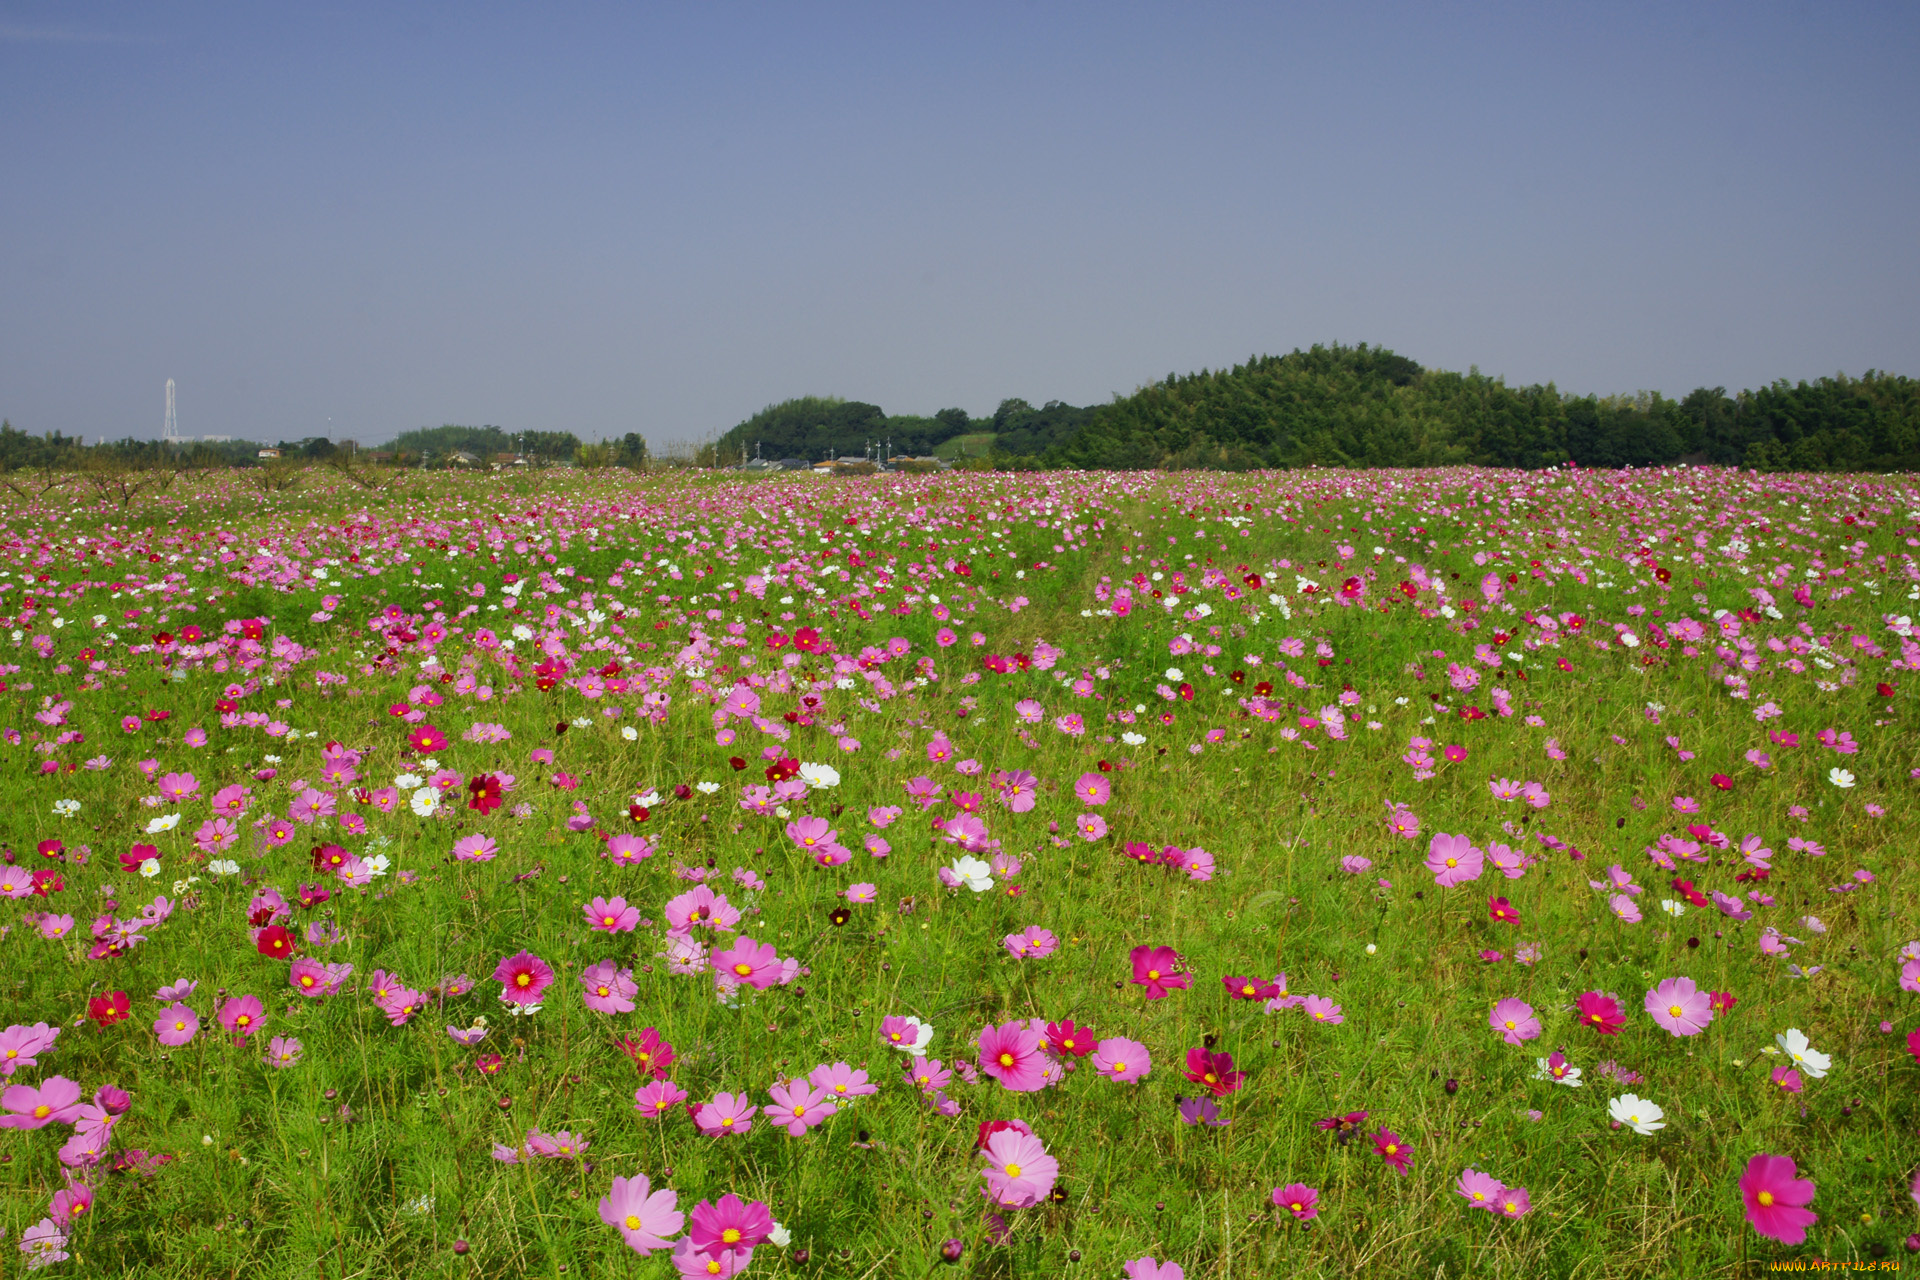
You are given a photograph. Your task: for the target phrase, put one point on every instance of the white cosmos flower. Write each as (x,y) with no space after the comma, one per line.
(1637,1113)
(150,868)
(920,1035)
(408,781)
(630,733)
(1629,639)
(224,867)
(706,788)
(1174,673)
(158,825)
(649,800)
(819,775)
(377,864)
(1133,739)
(779,1237)
(975,874)
(66,808)
(1672,907)
(1840,778)
(425,801)
(1793,1042)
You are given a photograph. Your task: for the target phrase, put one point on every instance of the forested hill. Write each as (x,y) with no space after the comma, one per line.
(1369,407)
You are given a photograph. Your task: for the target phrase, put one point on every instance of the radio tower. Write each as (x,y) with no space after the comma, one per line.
(171,431)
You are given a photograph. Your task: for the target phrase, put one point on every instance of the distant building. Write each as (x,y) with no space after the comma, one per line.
(503,460)
(461,458)
(269,453)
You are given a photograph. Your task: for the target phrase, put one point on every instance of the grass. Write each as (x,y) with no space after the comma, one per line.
(373,1155)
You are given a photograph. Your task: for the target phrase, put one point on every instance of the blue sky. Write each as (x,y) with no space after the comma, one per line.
(662,218)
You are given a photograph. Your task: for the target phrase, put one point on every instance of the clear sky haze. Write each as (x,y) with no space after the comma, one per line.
(359,219)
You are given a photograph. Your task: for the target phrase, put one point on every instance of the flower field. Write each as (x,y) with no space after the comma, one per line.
(1068,874)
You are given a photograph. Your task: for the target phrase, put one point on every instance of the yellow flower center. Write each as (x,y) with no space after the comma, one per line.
(523,980)
(1673,1010)
(744,970)
(1453,862)
(1119,1066)
(1006,1059)
(1153,975)
(1013,1171)
(633,1223)
(180,1026)
(607,921)
(727,1123)
(1510,1024)
(730,1236)
(1393,1149)
(42,1111)
(800,1111)
(1766,1199)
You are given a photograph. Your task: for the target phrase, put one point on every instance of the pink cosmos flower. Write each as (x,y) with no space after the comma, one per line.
(311,978)
(1478,1189)
(55,1100)
(1011,1054)
(1121,1060)
(909,1035)
(1513,1203)
(928,1077)
(1196,862)
(1033,942)
(700,907)
(176,1025)
(1158,970)
(522,977)
(21,1046)
(1298,1199)
(1453,860)
(840,1082)
(797,1107)
(1091,826)
(656,1098)
(1788,1079)
(629,850)
(242,1016)
(1147,1269)
(607,988)
(1776,1199)
(642,1216)
(475,848)
(1019,1172)
(1321,1009)
(1513,1021)
(1680,1007)
(611,916)
(1092,788)
(757,964)
(727,1113)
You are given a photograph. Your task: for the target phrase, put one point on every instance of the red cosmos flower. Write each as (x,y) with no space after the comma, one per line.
(1686,890)
(638,812)
(275,941)
(1214,1071)
(253,630)
(1563,664)
(1500,911)
(782,769)
(225,705)
(1721,1001)
(51,848)
(1408,590)
(488,1063)
(1913,1043)
(155,717)
(1341,1124)
(398,709)
(162,639)
(1884,689)
(110,1008)
(806,639)
(484,793)
(737,763)
(328,857)
(47,881)
(990,1127)
(1186,691)
(1722,781)
(1602,1013)
(426,738)
(132,858)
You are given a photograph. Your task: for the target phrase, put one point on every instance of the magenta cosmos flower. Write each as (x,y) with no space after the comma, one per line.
(522,978)
(1453,860)
(1158,970)
(1513,1021)
(1602,1012)
(1019,1171)
(1393,1149)
(1298,1199)
(643,1217)
(1213,1070)
(728,1225)
(1776,1200)
(755,963)
(1680,1007)
(611,915)
(1011,1054)
(1121,1060)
